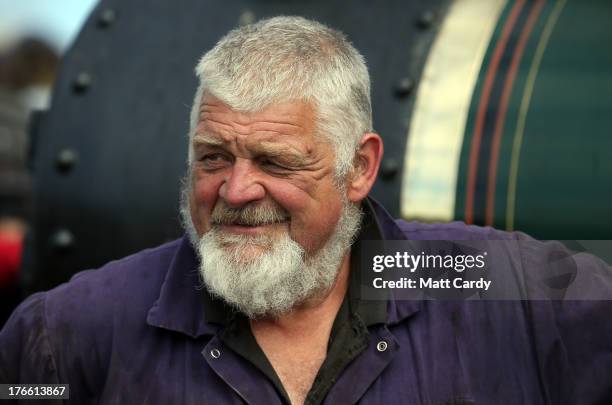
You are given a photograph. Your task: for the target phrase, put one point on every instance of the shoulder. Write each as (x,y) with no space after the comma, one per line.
(137,278)
(74,323)
(132,282)
(93,301)
(455,230)
(144,269)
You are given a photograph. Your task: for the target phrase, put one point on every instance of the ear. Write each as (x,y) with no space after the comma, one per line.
(366,164)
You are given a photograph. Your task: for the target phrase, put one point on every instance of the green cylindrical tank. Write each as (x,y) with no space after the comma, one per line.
(512,126)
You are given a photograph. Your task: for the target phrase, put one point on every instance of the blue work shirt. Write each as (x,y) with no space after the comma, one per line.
(135,332)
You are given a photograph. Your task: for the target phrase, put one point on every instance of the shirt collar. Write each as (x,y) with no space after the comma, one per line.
(179,306)
(378,224)
(370,311)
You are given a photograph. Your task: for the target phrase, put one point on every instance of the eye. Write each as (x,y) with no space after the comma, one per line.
(213,161)
(272,165)
(268,162)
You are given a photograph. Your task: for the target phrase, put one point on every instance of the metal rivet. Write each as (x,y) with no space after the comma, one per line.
(82,82)
(381,346)
(215,353)
(66,159)
(107,18)
(426,20)
(389,169)
(62,239)
(404,87)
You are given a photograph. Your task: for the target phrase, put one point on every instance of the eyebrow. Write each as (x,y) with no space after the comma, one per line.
(289,155)
(207,140)
(271,149)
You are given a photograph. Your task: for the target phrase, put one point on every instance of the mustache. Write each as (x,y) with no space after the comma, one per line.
(249,215)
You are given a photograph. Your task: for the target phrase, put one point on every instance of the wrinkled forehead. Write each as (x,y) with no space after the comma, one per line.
(277,106)
(215,122)
(292,118)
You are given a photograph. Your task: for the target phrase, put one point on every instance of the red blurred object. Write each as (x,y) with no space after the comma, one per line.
(11,246)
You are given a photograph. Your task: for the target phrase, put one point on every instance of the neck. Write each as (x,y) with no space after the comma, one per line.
(313,315)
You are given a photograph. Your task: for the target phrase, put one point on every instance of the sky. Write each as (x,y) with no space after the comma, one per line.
(58,21)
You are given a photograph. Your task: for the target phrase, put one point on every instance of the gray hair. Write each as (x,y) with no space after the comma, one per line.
(289,59)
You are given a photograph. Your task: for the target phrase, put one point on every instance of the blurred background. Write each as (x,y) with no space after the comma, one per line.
(496,113)
(33,36)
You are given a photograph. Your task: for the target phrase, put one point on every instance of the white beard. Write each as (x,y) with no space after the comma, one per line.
(269,276)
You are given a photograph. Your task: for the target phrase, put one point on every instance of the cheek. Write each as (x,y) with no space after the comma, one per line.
(318,226)
(314,212)
(203,199)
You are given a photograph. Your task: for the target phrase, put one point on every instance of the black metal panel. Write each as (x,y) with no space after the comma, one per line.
(111,151)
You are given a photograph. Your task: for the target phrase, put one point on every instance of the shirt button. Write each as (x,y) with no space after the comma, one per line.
(215,353)
(381,346)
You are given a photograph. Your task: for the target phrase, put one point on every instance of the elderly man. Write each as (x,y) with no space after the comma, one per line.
(260,302)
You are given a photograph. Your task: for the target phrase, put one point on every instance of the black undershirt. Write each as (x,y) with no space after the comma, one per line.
(349,335)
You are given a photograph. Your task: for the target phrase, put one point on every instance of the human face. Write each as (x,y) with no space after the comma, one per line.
(267,158)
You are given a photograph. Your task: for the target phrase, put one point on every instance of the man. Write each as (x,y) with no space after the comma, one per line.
(261,302)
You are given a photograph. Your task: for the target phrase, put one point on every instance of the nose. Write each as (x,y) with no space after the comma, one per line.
(241,186)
